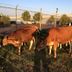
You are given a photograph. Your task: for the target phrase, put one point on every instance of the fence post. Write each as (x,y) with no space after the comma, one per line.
(40,17)
(56,17)
(16,14)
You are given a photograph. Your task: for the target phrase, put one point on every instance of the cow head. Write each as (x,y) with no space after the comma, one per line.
(11,40)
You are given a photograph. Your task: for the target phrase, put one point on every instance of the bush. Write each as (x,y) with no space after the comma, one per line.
(37,16)
(26,16)
(64,20)
(4,20)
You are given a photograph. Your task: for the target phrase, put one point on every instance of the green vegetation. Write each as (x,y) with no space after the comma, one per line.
(4,20)
(11,62)
(26,16)
(37,17)
(64,20)
(51,20)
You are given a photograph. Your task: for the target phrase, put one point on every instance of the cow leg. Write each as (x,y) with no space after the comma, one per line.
(34,42)
(19,50)
(50,49)
(55,49)
(55,55)
(60,46)
(66,44)
(31,43)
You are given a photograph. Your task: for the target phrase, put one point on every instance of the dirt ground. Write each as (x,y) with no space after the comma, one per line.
(11,62)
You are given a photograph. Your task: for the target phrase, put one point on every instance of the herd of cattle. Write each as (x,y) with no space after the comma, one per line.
(54,37)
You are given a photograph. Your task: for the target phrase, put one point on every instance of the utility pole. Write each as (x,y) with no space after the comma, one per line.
(16,15)
(56,17)
(40,17)
(16,12)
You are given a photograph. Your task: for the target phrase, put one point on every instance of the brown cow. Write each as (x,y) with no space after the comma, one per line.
(20,36)
(58,35)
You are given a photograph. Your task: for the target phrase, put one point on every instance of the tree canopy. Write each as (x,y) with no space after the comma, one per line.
(26,16)
(51,19)
(64,20)
(4,19)
(37,16)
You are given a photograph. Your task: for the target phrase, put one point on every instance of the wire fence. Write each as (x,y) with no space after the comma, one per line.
(15,13)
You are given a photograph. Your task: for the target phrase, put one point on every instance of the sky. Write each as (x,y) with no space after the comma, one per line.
(64,6)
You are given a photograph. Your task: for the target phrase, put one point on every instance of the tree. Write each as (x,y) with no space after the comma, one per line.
(5,20)
(64,20)
(37,17)
(51,19)
(26,16)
